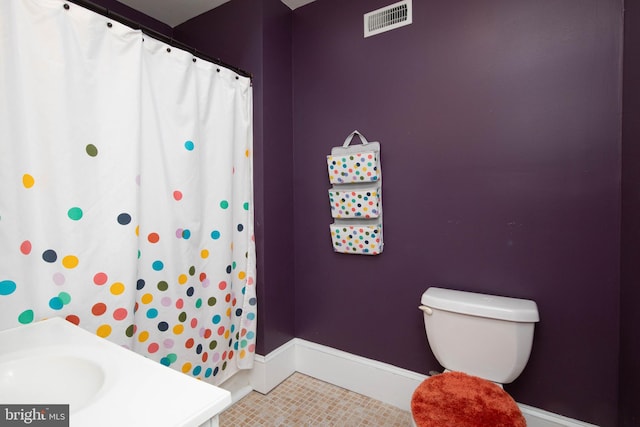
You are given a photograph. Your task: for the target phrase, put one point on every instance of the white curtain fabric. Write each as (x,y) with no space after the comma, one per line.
(126,198)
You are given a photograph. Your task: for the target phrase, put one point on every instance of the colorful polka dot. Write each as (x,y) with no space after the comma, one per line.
(103,331)
(124,219)
(189,145)
(98,309)
(25,317)
(7,287)
(153,237)
(55,303)
(91,150)
(75,213)
(70,261)
(25,247)
(224,204)
(130,331)
(177,195)
(120,314)
(50,256)
(59,279)
(64,297)
(100,279)
(72,318)
(117,288)
(28,181)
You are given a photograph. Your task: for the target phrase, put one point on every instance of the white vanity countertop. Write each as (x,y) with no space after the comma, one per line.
(129,390)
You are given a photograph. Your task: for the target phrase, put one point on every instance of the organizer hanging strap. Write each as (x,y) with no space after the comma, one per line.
(350,138)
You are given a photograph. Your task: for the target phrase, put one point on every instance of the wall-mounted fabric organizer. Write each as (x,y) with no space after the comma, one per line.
(355,203)
(356,197)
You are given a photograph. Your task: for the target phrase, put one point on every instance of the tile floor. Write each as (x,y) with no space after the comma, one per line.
(305,401)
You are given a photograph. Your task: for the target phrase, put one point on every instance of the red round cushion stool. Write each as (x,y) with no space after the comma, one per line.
(461,400)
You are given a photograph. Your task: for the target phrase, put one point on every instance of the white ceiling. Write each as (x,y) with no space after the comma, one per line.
(175,12)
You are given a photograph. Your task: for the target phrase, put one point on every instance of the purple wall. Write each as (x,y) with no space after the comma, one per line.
(256,36)
(630,266)
(500,130)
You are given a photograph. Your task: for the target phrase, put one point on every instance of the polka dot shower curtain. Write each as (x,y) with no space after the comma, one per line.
(126,200)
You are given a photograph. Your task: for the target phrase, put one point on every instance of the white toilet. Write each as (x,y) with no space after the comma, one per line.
(484,336)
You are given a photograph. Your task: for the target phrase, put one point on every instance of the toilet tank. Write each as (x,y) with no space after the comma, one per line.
(483,335)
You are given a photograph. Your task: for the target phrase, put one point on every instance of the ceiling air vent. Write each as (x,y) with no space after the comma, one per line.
(388,18)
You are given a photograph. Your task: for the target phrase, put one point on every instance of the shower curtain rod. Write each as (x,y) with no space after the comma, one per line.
(157,35)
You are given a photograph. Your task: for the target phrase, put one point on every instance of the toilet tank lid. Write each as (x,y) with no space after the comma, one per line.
(483,305)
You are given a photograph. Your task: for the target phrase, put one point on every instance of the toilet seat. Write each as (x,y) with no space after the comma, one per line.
(461,400)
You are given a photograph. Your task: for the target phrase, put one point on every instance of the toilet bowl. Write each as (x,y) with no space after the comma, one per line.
(482,341)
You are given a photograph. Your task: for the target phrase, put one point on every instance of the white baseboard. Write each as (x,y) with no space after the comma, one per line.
(378,380)
(270,370)
(540,418)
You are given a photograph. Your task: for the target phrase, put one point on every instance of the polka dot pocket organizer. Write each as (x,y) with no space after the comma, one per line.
(363,203)
(351,168)
(356,197)
(357,239)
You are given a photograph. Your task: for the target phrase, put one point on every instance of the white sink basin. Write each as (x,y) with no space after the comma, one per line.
(55,379)
(105,385)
